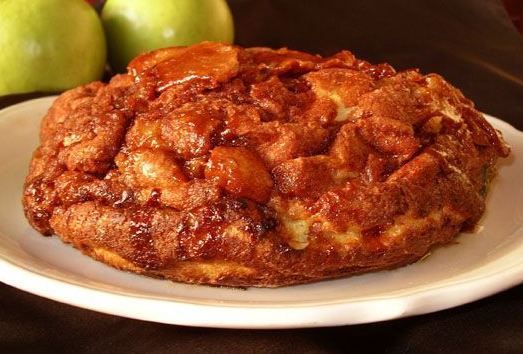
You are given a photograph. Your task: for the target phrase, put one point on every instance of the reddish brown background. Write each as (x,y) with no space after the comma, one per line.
(515,12)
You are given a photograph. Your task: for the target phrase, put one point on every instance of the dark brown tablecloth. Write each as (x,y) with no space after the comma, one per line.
(470,42)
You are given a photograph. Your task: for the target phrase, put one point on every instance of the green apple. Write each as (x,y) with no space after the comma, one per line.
(137,26)
(49,45)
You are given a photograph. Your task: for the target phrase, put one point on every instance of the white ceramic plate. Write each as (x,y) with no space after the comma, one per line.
(478,265)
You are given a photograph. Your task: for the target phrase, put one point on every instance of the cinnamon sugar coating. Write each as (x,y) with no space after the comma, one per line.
(215,164)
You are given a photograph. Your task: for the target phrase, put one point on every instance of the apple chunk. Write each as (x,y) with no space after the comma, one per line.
(241,172)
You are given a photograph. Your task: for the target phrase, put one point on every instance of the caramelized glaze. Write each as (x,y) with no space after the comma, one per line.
(222,165)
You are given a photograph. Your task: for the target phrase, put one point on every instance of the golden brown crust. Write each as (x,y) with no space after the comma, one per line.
(220,165)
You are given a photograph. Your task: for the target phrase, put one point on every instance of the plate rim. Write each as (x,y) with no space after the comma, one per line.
(399,305)
(158,310)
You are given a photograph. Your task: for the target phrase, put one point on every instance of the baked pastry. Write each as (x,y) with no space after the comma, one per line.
(214,164)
